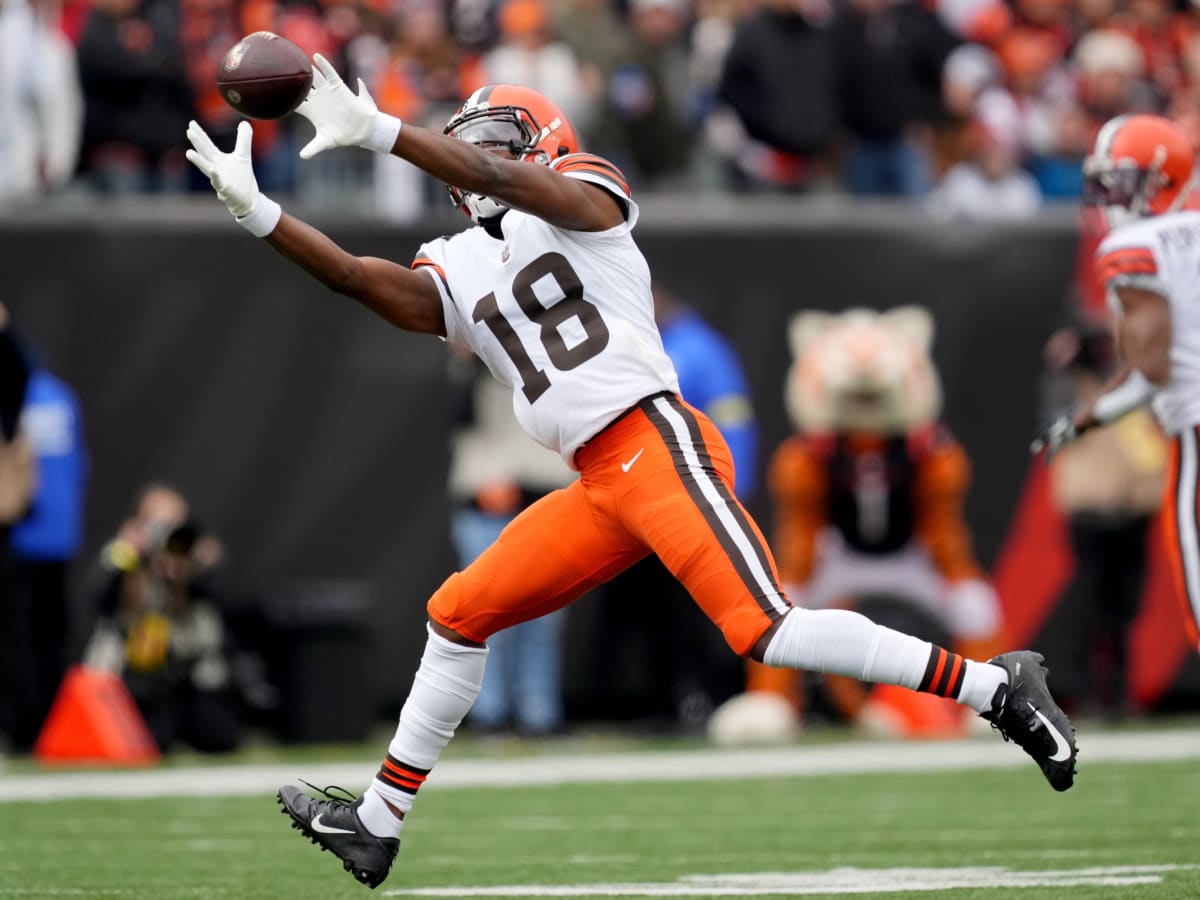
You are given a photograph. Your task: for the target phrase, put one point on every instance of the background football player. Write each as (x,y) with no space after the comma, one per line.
(1140,177)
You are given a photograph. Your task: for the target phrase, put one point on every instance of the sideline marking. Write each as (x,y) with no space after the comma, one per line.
(833,881)
(793,760)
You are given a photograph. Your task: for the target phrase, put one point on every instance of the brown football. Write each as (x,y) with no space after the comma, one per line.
(264,76)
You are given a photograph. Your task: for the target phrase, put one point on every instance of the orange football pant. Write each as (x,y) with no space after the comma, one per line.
(1181,521)
(659,480)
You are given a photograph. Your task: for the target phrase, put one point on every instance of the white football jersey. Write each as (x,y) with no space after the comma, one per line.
(564,318)
(1162,254)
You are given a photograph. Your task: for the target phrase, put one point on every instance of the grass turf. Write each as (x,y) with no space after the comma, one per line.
(1118,814)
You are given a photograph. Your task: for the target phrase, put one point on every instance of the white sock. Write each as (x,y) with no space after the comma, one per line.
(979,685)
(847,643)
(373,812)
(446,684)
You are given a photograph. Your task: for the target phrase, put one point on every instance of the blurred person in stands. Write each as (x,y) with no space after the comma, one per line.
(18,481)
(779,102)
(137,97)
(891,56)
(549,289)
(425,74)
(41,105)
(1109,68)
(989,183)
(647,600)
(45,541)
(162,631)
(496,472)
(527,53)
(1032,107)
(1152,25)
(1109,484)
(1139,179)
(868,497)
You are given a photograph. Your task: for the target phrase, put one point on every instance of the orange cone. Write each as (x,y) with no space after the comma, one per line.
(94,720)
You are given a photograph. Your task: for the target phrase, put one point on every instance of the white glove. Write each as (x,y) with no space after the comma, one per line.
(343,118)
(232,175)
(1054,437)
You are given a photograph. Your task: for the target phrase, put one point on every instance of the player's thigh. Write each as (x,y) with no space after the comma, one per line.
(549,555)
(690,518)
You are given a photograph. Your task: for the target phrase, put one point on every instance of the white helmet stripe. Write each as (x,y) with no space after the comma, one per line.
(1108,134)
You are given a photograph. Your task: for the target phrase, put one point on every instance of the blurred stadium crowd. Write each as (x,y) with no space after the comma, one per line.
(979,108)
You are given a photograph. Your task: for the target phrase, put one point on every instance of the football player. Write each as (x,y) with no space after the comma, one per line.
(551,291)
(1140,176)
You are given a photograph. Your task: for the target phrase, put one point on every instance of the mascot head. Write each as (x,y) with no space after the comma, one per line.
(862,371)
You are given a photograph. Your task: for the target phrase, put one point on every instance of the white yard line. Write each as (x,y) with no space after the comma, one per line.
(833,881)
(691,765)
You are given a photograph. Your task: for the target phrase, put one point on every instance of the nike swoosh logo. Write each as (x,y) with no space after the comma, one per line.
(626,466)
(1062,750)
(320,827)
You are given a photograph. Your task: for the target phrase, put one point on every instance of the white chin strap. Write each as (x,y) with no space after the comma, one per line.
(481,207)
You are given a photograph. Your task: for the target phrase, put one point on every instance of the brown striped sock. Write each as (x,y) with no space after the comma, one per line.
(943,673)
(401,776)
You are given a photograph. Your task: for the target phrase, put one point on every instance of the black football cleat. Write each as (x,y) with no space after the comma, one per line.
(333,824)
(1024,712)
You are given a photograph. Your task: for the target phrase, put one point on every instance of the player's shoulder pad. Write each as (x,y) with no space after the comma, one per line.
(424,261)
(594,169)
(1128,251)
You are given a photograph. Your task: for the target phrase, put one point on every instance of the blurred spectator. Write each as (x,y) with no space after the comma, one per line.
(1109,67)
(1151,24)
(496,471)
(41,107)
(1035,109)
(649,92)
(528,55)
(45,541)
(780,83)
(891,56)
(161,629)
(699,671)
(137,95)
(423,79)
(1109,484)
(988,184)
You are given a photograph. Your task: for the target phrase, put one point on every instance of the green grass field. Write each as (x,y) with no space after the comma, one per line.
(566,838)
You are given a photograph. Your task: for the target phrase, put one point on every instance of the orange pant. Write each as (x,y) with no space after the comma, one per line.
(659,479)
(1181,520)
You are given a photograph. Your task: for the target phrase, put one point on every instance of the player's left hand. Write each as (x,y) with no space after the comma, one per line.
(231,174)
(1056,435)
(341,117)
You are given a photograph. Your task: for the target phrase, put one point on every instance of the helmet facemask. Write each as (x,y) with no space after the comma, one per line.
(510,128)
(1123,190)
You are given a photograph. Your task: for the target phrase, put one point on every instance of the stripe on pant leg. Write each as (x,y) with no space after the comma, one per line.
(723,515)
(1186,526)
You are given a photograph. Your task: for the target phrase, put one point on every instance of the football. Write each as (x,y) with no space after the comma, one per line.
(264,76)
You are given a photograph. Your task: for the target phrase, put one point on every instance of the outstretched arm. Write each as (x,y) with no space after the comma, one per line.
(407,299)
(1144,344)
(343,118)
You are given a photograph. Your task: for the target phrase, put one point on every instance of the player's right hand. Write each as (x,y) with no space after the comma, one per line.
(1056,435)
(231,174)
(341,117)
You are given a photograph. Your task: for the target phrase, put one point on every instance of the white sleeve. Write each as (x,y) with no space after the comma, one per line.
(430,259)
